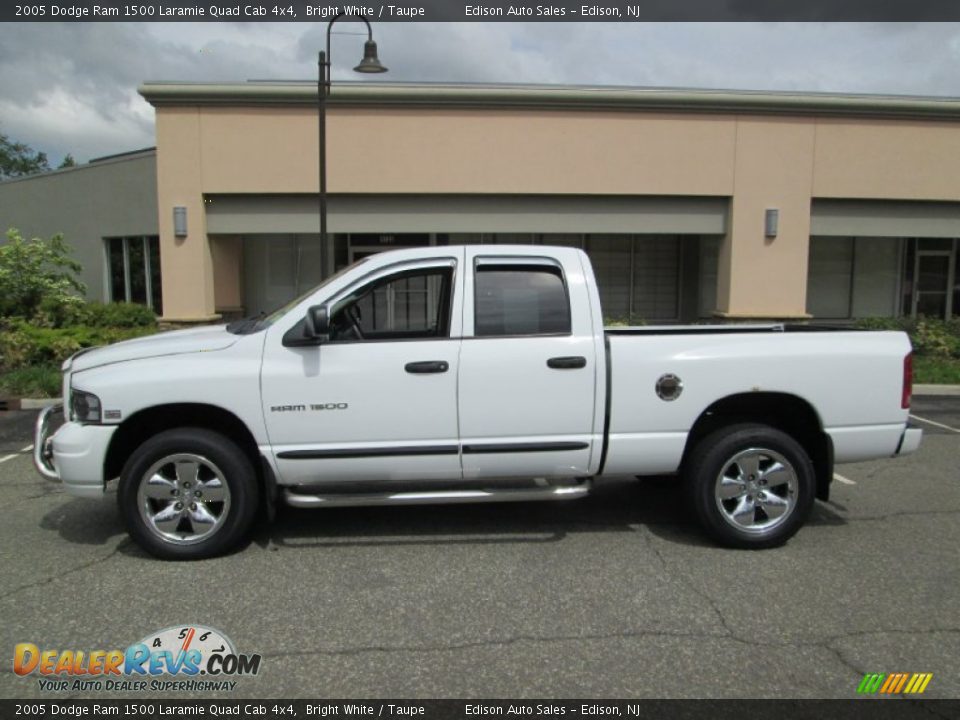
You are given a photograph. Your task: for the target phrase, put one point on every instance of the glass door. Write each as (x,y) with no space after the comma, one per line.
(932,284)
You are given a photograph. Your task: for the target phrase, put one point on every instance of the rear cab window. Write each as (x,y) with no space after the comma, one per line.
(520,299)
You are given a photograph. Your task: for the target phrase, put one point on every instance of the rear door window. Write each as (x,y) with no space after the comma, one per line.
(520,300)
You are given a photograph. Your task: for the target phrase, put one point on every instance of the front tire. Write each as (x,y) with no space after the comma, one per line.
(188,494)
(750,485)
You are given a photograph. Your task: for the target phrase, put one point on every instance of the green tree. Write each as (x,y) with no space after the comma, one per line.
(68,162)
(18,159)
(37,271)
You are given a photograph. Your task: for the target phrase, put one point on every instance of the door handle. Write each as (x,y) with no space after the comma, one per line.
(427,366)
(572,362)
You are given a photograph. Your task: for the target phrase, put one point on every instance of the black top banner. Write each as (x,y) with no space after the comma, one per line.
(483,11)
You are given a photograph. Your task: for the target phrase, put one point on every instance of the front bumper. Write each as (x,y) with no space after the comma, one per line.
(43,442)
(73,455)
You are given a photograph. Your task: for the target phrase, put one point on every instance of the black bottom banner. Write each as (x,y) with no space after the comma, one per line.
(868,709)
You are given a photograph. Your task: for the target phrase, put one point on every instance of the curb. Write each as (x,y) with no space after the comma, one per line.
(39,403)
(936,389)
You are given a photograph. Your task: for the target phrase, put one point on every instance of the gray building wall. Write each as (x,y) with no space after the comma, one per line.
(110,197)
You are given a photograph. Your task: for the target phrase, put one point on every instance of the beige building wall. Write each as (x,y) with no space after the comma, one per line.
(758,160)
(186,263)
(274,150)
(887,160)
(760,276)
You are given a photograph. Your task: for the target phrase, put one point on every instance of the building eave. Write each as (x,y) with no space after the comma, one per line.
(93,164)
(164,94)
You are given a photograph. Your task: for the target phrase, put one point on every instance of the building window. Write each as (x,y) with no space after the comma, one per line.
(930,282)
(853,277)
(638,276)
(956,280)
(133,270)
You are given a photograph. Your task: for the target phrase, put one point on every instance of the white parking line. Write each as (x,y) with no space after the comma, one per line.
(28,448)
(934,423)
(844,480)
(8,457)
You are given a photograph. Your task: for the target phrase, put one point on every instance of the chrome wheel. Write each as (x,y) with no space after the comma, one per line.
(756,490)
(183,498)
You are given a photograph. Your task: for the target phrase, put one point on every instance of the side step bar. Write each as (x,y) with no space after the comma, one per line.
(437,497)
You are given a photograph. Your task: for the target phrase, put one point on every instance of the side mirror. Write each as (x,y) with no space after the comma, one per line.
(317,323)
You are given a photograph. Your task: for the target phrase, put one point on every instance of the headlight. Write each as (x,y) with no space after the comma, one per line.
(84,407)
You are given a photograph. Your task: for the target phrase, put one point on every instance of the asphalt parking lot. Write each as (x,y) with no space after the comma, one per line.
(617,595)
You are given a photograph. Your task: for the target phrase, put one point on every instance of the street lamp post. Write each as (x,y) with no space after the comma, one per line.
(369,64)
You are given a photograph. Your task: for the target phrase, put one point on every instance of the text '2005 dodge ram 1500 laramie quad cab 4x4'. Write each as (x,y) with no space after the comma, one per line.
(469,374)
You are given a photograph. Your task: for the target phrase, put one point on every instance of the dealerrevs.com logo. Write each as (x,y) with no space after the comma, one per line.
(181,657)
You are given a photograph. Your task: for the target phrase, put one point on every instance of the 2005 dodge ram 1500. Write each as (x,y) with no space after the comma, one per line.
(469,374)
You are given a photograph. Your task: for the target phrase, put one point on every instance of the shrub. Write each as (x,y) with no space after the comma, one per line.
(34,381)
(121,314)
(54,312)
(35,270)
(933,338)
(930,337)
(885,323)
(23,344)
(623,321)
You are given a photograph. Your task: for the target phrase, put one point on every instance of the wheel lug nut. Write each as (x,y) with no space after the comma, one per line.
(174,492)
(749,498)
(186,484)
(193,506)
(179,506)
(198,494)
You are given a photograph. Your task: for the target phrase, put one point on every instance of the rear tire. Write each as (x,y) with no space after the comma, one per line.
(750,485)
(188,494)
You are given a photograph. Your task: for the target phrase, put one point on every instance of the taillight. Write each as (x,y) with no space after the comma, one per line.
(907,381)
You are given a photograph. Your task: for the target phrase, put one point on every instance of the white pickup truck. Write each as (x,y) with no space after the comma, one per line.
(469,374)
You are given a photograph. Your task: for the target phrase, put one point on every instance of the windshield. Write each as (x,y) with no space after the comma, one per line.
(256,323)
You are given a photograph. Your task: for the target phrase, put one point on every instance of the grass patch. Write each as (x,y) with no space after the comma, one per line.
(35,381)
(936,371)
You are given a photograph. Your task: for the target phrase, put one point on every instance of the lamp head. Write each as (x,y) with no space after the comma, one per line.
(370,62)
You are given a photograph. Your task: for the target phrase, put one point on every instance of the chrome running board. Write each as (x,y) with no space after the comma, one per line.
(437,497)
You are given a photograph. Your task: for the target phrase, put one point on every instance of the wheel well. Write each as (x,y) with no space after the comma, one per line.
(143,425)
(789,413)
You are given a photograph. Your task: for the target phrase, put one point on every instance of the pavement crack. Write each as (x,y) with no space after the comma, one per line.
(495,642)
(891,631)
(829,644)
(900,513)
(699,592)
(70,571)
(824,644)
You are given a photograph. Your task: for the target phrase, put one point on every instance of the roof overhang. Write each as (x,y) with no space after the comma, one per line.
(163,94)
